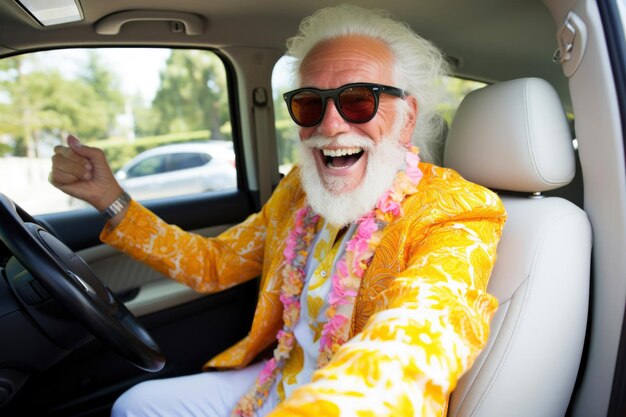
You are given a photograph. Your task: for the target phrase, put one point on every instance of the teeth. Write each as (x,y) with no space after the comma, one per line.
(340,152)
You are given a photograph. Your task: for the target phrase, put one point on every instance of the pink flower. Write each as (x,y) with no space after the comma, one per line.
(366,227)
(360,242)
(287,300)
(331,328)
(415,174)
(342,271)
(383,199)
(289,252)
(360,263)
(268,370)
(341,295)
(390,206)
(357,244)
(339,291)
(291,313)
(285,338)
(404,185)
(412,159)
(412,170)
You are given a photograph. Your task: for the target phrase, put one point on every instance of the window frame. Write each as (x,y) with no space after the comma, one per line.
(232,96)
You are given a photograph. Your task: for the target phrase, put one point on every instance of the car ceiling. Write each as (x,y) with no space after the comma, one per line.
(492,40)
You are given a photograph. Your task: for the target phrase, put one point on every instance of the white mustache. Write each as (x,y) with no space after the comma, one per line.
(342,141)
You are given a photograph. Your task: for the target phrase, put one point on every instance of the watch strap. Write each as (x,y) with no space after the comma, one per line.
(117,206)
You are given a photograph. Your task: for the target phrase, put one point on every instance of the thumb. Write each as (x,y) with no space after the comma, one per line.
(82,150)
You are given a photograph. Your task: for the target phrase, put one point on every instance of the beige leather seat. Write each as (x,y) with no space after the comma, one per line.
(513,138)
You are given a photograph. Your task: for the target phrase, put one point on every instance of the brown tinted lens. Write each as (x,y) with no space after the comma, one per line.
(357,104)
(306,108)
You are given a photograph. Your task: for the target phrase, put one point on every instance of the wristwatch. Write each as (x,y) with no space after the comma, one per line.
(117,206)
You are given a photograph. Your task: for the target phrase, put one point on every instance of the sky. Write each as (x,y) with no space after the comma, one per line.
(137,72)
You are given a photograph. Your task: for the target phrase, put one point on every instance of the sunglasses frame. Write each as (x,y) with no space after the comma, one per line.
(334,93)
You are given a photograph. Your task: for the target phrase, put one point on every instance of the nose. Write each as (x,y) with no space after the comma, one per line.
(332,123)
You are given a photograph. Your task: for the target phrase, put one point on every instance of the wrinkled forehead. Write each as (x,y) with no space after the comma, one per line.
(335,62)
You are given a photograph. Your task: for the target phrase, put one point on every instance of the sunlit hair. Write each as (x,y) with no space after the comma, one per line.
(418,65)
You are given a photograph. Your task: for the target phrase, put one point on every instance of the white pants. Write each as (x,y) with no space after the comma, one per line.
(208,394)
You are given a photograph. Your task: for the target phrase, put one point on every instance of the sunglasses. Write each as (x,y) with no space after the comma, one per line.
(356,102)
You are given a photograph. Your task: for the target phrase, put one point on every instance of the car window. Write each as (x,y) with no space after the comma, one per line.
(149,166)
(126,101)
(180,161)
(287,132)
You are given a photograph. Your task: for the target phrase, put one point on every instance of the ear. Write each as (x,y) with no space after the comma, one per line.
(409,125)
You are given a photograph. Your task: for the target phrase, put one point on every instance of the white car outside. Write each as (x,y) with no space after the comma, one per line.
(180,169)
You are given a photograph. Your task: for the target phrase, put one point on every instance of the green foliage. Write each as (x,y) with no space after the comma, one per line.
(146,120)
(106,86)
(287,137)
(286,132)
(41,104)
(192,94)
(5,149)
(455,90)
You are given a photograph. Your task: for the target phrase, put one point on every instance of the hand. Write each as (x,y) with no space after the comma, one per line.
(83,172)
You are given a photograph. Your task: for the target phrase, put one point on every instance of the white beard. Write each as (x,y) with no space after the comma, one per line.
(342,208)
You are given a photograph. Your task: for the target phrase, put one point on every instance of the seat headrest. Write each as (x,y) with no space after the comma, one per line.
(512,136)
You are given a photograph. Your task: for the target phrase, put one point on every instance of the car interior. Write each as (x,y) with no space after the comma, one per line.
(546,133)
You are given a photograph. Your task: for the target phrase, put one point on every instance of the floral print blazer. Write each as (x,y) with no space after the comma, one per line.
(421,315)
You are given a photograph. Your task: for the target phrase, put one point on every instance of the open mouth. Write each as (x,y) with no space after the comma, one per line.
(341,158)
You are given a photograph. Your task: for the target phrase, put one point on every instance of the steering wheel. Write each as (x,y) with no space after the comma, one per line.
(74,285)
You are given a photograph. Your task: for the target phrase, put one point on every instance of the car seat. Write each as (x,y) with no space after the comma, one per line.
(513,137)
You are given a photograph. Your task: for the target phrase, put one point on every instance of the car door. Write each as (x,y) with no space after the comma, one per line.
(189,327)
(144,179)
(187,172)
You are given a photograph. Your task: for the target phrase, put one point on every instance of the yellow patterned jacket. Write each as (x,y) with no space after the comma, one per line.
(421,315)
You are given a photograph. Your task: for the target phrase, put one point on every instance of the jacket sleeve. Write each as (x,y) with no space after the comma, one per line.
(205,264)
(428,327)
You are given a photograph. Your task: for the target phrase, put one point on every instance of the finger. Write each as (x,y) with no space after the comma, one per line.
(91,154)
(62,150)
(73,141)
(68,153)
(73,166)
(60,178)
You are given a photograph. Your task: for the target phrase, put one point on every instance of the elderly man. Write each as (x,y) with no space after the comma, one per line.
(373,265)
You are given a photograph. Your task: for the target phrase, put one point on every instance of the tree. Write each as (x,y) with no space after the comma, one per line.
(39,104)
(286,132)
(193,94)
(105,85)
(146,120)
(455,90)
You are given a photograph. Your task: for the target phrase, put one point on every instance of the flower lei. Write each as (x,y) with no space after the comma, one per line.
(345,281)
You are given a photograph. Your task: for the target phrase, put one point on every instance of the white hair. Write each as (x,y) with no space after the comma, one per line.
(418,65)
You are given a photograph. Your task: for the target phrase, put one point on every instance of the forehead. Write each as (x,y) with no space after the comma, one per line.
(344,60)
